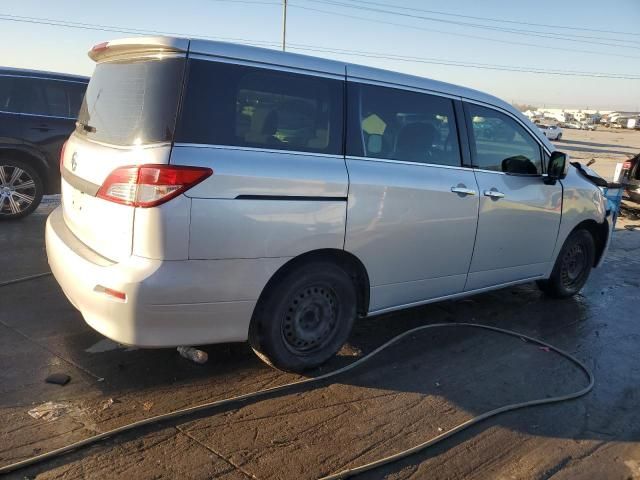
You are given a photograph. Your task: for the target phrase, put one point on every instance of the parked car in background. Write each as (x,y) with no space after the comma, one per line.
(37,114)
(574,125)
(589,126)
(215,192)
(552,132)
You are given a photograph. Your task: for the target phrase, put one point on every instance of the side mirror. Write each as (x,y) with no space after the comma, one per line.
(558,165)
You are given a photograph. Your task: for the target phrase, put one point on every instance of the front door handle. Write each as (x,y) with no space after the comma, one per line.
(493,194)
(461,189)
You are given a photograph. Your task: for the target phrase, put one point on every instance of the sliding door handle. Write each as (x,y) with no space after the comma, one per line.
(493,194)
(462,190)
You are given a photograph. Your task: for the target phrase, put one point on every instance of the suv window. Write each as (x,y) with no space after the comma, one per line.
(56,98)
(402,125)
(27,96)
(500,143)
(6,84)
(40,97)
(228,104)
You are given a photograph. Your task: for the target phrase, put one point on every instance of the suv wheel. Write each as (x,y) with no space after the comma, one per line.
(559,137)
(305,319)
(572,266)
(21,189)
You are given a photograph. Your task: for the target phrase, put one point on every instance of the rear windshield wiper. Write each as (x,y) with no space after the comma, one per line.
(86,127)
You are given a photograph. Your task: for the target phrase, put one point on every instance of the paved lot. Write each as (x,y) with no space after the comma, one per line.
(429,382)
(607,146)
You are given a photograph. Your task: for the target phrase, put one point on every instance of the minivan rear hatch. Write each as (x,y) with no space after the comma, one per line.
(127,119)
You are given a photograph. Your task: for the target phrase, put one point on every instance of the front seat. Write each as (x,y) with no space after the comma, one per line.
(414,142)
(264,125)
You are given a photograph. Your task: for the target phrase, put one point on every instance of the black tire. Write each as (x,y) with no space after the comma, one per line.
(305,318)
(572,266)
(559,137)
(20,194)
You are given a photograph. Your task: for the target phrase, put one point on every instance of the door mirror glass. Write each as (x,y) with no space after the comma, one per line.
(558,165)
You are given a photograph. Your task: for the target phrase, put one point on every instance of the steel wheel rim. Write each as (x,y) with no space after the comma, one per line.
(311,319)
(17,190)
(574,265)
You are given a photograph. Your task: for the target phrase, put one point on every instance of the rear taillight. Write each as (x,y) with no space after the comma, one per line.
(626,165)
(64,146)
(150,185)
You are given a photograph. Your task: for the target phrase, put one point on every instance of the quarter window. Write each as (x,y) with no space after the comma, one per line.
(501,144)
(402,125)
(57,99)
(237,105)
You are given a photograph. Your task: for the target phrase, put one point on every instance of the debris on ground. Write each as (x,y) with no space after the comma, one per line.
(58,379)
(108,403)
(146,406)
(50,410)
(193,354)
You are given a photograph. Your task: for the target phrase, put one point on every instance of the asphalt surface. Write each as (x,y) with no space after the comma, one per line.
(607,146)
(426,384)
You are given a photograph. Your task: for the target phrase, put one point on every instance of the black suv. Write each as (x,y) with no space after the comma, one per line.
(37,113)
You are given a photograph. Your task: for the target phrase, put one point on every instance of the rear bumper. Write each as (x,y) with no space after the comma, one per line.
(168,303)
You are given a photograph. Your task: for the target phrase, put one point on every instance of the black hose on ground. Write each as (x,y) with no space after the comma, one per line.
(350,471)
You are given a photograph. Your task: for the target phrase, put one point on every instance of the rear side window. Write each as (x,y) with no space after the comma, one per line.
(57,99)
(41,96)
(27,96)
(132,102)
(501,144)
(75,91)
(401,125)
(228,104)
(6,85)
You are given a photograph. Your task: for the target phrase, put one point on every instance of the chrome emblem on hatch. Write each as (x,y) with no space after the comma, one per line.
(74,161)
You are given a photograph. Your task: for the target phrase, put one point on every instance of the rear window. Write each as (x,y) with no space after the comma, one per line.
(236,105)
(132,102)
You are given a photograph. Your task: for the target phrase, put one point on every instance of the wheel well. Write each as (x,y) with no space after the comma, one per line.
(345,260)
(29,159)
(599,232)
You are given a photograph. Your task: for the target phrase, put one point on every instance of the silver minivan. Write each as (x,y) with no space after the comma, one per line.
(214,192)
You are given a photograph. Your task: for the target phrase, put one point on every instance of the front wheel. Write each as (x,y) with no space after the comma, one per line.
(305,318)
(572,266)
(559,137)
(21,189)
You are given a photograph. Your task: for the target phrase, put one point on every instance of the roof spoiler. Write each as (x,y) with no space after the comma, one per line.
(138,46)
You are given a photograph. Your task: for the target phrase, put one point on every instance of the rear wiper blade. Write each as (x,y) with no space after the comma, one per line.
(86,127)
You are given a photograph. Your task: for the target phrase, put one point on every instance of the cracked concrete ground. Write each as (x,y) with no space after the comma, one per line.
(429,382)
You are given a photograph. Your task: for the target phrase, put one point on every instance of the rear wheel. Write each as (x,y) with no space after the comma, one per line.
(21,189)
(559,137)
(572,266)
(305,318)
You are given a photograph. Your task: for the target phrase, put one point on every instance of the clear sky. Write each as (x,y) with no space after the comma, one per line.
(586,26)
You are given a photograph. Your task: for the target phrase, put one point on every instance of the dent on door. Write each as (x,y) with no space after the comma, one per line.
(411,231)
(517,228)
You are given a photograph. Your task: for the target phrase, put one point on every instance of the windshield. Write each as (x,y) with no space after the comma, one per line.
(132,102)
